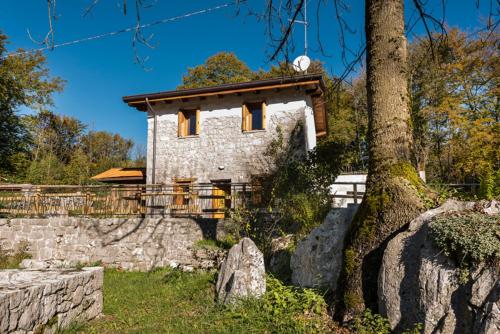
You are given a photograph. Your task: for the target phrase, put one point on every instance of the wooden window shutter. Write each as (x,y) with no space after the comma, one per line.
(197,121)
(244,118)
(182,123)
(263,115)
(320,117)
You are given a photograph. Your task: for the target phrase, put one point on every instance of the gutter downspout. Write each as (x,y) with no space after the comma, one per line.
(153,167)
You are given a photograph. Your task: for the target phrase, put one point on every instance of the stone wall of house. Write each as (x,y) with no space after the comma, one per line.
(129,243)
(222,151)
(40,301)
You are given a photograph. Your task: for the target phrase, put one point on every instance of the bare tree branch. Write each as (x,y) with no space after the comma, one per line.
(288,29)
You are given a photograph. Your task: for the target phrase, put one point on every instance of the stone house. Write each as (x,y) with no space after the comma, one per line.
(218,135)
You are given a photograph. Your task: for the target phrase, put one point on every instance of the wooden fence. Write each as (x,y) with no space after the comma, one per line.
(210,200)
(356,191)
(205,200)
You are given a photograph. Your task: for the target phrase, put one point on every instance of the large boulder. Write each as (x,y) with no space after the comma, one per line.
(418,284)
(317,260)
(242,273)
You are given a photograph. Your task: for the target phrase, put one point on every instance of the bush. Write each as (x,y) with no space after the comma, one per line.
(469,239)
(286,309)
(280,299)
(370,323)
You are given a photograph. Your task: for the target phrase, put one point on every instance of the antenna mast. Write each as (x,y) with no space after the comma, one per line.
(305,23)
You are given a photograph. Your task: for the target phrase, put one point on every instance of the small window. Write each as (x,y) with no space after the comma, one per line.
(254,116)
(189,123)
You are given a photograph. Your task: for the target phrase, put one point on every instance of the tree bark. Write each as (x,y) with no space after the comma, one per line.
(394,193)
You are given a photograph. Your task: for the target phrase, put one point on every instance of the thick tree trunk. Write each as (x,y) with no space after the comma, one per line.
(394,193)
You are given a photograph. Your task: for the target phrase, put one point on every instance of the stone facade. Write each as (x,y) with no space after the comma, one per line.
(129,243)
(41,301)
(222,151)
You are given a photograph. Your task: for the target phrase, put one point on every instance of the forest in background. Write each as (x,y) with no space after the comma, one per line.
(42,147)
(453,101)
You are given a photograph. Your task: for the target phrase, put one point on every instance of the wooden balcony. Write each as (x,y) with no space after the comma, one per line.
(208,200)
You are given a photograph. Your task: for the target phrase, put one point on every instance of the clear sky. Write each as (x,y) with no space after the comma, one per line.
(100,72)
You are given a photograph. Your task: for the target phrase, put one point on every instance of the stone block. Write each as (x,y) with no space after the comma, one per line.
(29,299)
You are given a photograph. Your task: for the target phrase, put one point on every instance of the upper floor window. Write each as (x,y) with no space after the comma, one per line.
(254,116)
(189,123)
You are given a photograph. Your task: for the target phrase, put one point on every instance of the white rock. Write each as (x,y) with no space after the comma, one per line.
(317,260)
(418,284)
(242,273)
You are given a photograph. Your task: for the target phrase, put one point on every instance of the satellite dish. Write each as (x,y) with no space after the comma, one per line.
(301,63)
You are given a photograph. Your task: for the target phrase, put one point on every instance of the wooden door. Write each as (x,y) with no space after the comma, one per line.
(220,199)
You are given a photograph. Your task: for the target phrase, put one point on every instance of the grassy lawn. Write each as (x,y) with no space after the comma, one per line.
(169,301)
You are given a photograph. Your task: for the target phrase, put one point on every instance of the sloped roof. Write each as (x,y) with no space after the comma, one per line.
(313,82)
(121,174)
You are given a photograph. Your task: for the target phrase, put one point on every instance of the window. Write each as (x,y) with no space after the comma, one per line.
(254,116)
(189,123)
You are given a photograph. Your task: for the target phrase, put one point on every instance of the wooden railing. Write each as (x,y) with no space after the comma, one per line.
(204,200)
(356,194)
(357,190)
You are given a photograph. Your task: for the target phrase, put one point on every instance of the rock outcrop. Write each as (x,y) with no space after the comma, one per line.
(242,273)
(317,260)
(418,284)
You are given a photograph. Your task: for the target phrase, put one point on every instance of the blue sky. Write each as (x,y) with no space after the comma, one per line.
(100,72)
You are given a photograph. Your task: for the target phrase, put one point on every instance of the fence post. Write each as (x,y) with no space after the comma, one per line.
(37,202)
(355,190)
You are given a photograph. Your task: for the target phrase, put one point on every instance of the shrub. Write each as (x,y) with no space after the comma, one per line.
(370,323)
(280,299)
(469,239)
(286,309)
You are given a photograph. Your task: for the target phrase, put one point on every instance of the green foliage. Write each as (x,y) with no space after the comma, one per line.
(46,170)
(24,82)
(61,153)
(454,106)
(373,323)
(469,239)
(296,190)
(226,243)
(282,299)
(489,185)
(299,183)
(172,301)
(221,68)
(12,259)
(370,323)
(45,148)
(77,171)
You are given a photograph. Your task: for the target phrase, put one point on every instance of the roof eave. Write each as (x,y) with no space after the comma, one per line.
(139,101)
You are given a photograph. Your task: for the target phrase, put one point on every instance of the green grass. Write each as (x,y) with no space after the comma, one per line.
(170,301)
(215,244)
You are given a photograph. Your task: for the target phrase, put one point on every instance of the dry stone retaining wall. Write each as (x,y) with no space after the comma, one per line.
(129,243)
(40,301)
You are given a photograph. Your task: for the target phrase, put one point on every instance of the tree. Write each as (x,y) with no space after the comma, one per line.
(106,150)
(455,106)
(221,68)
(77,171)
(48,169)
(57,134)
(24,81)
(394,193)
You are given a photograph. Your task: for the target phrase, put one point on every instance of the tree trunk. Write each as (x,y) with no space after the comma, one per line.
(394,193)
